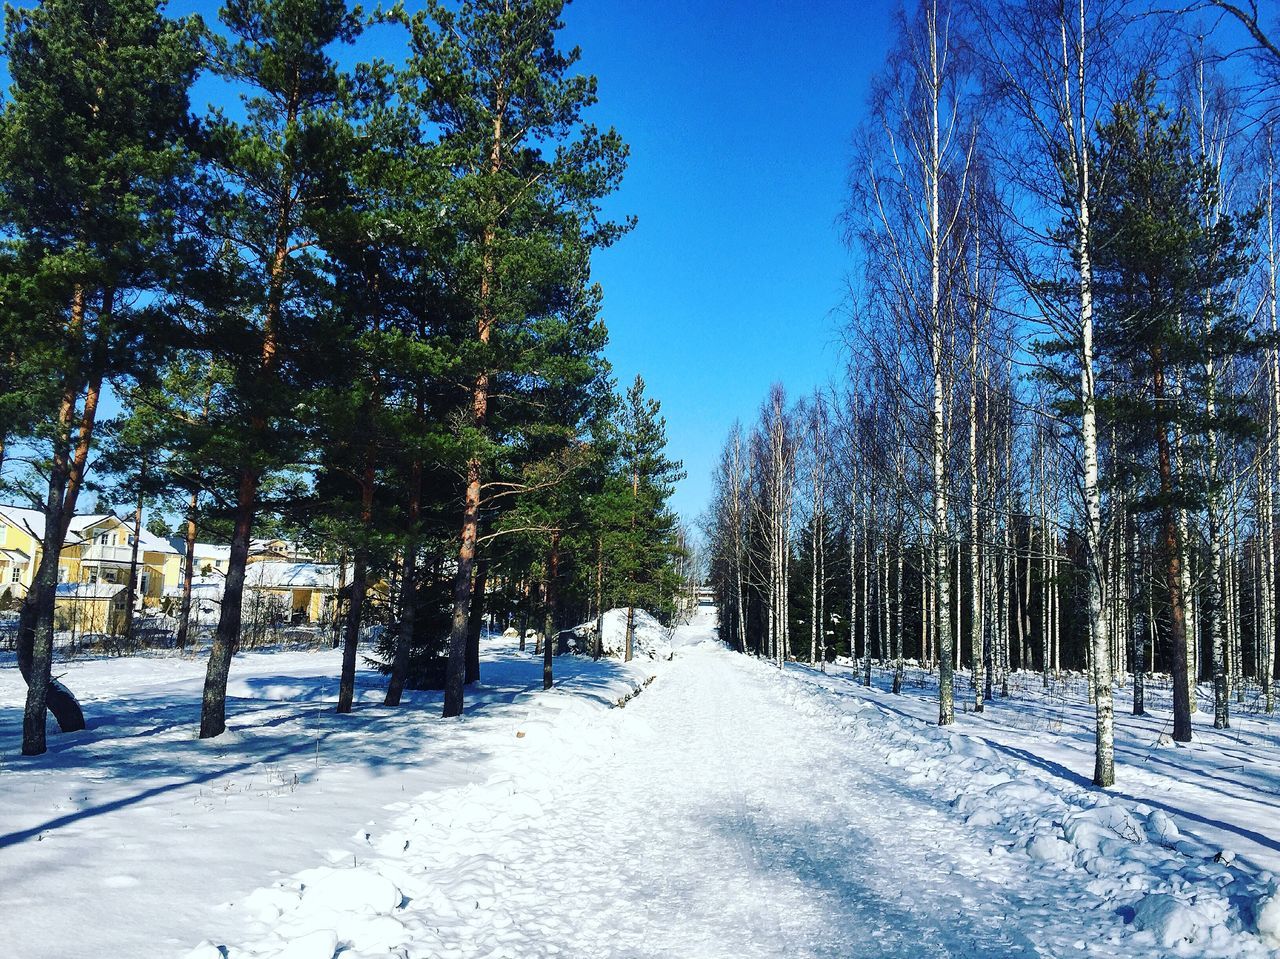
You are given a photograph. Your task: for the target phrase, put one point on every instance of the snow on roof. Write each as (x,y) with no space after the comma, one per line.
(32,521)
(16,556)
(93,591)
(291,576)
(266,576)
(152,543)
(214,551)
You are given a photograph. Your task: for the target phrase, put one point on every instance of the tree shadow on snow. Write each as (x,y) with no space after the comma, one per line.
(861,917)
(144,743)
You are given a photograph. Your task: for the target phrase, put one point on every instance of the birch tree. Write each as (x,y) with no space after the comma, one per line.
(1048,65)
(910,180)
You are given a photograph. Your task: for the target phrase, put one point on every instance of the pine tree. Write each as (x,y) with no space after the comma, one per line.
(280,163)
(650,477)
(528,176)
(1159,262)
(94,147)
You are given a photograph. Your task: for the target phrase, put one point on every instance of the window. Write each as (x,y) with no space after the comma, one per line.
(16,575)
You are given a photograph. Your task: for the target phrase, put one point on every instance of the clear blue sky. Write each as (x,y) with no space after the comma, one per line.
(740,117)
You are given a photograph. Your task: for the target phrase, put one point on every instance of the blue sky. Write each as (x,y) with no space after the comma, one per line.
(740,117)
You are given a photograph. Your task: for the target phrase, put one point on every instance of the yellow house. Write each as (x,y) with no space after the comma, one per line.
(280,585)
(305,592)
(97,557)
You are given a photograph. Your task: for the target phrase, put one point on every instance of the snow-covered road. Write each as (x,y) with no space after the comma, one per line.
(730,811)
(726,825)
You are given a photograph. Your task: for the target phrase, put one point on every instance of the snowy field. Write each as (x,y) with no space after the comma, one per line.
(728,811)
(124,840)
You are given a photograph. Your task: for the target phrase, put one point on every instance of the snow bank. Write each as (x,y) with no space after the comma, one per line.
(650,640)
(1269,919)
(278,792)
(1179,894)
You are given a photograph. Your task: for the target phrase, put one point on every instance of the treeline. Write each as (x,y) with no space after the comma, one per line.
(350,299)
(1057,443)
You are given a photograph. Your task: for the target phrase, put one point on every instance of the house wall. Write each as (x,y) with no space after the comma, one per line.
(89,615)
(19,539)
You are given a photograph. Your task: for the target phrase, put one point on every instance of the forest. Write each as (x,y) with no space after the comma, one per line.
(1055,446)
(314,271)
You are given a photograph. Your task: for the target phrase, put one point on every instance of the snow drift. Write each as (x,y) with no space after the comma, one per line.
(651,640)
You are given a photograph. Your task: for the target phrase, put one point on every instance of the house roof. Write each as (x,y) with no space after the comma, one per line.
(153,543)
(91,591)
(217,552)
(266,576)
(16,556)
(32,521)
(213,551)
(291,576)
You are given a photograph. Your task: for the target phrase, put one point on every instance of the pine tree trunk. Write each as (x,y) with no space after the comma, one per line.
(408,590)
(35,622)
(1174,581)
(188,572)
(476,624)
(553,613)
(597,645)
(226,638)
(359,588)
(351,632)
(131,595)
(456,670)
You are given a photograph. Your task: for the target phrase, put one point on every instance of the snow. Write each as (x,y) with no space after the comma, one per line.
(293,575)
(729,810)
(89,590)
(649,637)
(145,834)
(1179,846)
(1269,920)
(32,521)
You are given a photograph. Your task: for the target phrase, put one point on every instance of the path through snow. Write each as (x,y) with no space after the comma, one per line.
(721,814)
